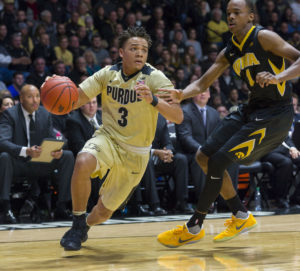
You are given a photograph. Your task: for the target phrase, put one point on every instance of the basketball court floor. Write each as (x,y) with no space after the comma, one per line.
(130,244)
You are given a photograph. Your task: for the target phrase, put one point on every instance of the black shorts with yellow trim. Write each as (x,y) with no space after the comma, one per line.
(245,137)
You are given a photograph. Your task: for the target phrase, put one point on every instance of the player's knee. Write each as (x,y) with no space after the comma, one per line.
(202,160)
(5,157)
(85,163)
(218,163)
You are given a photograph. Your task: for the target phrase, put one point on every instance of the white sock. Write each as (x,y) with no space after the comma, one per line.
(195,229)
(242,215)
(78,213)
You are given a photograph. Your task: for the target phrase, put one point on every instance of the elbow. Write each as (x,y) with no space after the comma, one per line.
(179,118)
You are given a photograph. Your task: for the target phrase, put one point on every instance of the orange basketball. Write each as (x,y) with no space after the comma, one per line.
(58,95)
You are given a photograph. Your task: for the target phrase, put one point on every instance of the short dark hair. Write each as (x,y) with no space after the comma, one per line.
(134,32)
(250,5)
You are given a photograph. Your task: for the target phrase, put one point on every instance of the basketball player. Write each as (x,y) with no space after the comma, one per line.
(121,146)
(246,135)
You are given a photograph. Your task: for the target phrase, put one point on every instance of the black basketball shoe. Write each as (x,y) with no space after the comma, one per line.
(73,238)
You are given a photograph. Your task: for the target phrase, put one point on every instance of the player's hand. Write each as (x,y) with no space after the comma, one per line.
(266,78)
(294,153)
(143,92)
(57,154)
(171,96)
(34,151)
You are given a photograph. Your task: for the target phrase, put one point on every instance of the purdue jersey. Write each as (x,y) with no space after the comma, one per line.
(249,58)
(126,117)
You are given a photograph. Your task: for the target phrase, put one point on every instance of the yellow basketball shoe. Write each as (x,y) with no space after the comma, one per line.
(179,236)
(236,226)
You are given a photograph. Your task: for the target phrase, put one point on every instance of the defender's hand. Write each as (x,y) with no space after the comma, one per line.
(171,96)
(266,78)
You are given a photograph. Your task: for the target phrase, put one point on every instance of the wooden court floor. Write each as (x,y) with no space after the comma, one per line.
(273,245)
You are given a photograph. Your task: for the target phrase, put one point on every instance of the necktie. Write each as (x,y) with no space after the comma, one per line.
(94,124)
(31,130)
(203,116)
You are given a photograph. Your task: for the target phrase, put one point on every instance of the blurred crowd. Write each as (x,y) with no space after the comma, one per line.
(39,38)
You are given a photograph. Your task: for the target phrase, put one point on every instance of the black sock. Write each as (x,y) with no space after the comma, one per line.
(6,205)
(196,219)
(236,205)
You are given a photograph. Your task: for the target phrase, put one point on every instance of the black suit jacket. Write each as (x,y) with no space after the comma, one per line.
(192,133)
(162,138)
(79,130)
(13,134)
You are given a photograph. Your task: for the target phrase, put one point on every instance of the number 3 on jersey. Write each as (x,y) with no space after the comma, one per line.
(124,113)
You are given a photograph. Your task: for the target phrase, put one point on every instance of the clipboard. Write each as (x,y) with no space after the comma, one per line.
(48,145)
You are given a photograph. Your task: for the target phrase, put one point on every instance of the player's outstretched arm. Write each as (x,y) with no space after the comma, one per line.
(198,86)
(273,43)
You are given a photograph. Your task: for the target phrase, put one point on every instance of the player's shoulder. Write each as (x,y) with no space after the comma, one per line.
(149,70)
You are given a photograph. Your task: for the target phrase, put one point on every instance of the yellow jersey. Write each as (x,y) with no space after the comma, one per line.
(126,117)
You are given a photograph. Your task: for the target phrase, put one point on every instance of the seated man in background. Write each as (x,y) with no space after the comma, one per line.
(80,127)
(199,121)
(22,130)
(167,161)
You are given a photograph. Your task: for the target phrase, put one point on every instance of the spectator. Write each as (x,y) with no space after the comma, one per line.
(293,25)
(98,50)
(233,99)
(192,41)
(295,5)
(59,68)
(27,42)
(8,17)
(181,82)
(38,75)
(16,51)
(78,70)
(74,47)
(174,54)
(108,29)
(216,27)
(6,102)
(28,125)
(62,53)
(17,83)
(45,50)
(175,164)
(84,40)
(57,10)
(50,26)
(114,54)
(223,112)
(4,41)
(211,58)
(72,26)
(91,66)
(226,82)
(82,124)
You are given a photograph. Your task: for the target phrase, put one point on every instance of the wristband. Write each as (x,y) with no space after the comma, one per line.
(154,100)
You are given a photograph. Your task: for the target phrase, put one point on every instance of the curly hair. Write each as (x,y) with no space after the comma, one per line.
(134,32)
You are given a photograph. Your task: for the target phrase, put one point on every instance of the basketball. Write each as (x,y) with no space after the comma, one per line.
(58,95)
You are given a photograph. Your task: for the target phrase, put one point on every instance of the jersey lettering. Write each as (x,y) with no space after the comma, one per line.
(244,62)
(122,96)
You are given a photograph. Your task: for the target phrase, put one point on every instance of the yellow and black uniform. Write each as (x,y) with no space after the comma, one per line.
(122,144)
(262,124)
